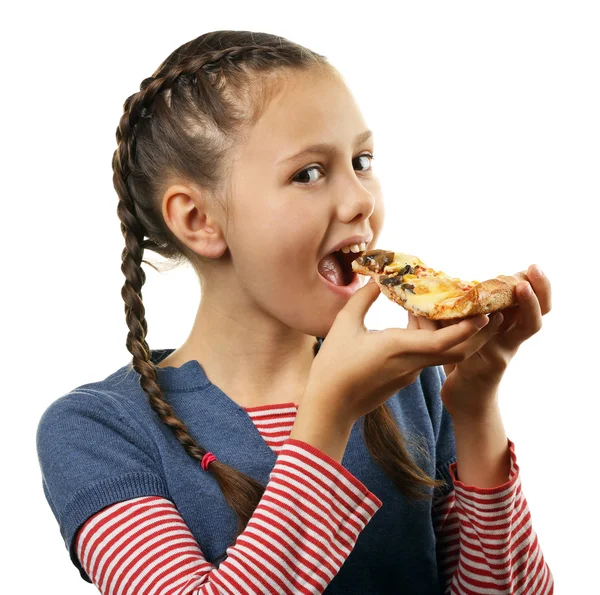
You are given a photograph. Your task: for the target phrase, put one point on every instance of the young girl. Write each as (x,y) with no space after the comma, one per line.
(259,457)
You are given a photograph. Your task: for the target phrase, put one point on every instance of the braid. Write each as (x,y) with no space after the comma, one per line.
(247,490)
(201,87)
(137,106)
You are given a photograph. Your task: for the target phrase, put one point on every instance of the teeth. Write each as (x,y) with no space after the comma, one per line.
(355,248)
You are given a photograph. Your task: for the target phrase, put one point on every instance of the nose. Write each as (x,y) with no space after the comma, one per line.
(355,202)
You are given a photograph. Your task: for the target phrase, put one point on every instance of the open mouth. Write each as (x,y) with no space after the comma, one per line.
(337,267)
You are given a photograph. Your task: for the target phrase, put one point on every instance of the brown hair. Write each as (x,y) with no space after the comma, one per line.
(181,125)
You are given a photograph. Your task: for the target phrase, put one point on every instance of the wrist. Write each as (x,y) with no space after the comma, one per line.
(316,427)
(472,409)
(482,454)
(476,416)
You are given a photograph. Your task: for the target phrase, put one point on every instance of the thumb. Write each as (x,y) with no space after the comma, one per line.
(359,304)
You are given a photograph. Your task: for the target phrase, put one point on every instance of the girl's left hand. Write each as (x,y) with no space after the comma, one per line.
(471,385)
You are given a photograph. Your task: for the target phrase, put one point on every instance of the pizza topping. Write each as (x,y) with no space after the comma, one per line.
(401,260)
(375,260)
(427,302)
(390,280)
(419,288)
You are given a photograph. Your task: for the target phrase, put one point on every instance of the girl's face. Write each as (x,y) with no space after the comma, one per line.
(288,210)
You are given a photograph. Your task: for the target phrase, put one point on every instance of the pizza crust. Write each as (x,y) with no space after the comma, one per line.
(488,296)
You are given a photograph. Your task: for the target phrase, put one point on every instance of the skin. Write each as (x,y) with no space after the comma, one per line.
(470,391)
(264,302)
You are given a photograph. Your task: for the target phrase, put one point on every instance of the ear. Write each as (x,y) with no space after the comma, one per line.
(193,220)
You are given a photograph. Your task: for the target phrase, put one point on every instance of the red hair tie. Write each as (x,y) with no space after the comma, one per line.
(208,458)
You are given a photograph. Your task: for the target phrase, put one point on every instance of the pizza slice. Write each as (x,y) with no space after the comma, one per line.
(406,280)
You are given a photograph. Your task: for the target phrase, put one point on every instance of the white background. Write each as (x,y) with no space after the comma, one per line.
(487,143)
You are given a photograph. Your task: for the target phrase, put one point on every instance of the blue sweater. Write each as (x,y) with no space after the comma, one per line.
(102,443)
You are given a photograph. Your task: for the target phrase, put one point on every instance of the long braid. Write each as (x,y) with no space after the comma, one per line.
(241,491)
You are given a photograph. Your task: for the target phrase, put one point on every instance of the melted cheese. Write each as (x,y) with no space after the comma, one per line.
(431,287)
(400,261)
(429,291)
(427,302)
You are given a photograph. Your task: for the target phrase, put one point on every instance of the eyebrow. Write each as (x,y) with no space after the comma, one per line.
(326,147)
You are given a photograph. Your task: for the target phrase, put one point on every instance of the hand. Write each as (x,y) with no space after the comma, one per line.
(471,385)
(357,370)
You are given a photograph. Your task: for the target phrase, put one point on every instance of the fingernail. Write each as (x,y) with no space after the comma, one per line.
(527,291)
(482,322)
(538,271)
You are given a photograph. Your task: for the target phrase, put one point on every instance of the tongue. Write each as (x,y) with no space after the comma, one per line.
(330,268)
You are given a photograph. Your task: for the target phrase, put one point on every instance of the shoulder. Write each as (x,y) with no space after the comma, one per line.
(80,403)
(118,398)
(92,454)
(96,429)
(77,403)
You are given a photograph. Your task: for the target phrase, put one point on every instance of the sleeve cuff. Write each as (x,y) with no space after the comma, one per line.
(336,473)
(513,475)
(91,499)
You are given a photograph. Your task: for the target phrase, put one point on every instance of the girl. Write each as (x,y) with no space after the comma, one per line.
(252,459)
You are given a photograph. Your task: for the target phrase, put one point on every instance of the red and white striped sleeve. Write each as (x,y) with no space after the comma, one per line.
(302,531)
(485,540)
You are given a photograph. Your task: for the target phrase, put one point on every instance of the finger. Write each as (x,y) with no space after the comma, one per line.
(511,318)
(449,322)
(358,305)
(541,287)
(448,369)
(530,316)
(428,324)
(433,342)
(413,323)
(476,342)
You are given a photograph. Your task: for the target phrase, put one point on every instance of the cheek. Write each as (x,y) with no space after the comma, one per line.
(287,290)
(297,298)
(277,260)
(377,219)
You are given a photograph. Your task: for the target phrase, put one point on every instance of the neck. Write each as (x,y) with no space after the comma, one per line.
(254,360)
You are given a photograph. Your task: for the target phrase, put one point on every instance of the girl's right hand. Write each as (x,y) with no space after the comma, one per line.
(356,370)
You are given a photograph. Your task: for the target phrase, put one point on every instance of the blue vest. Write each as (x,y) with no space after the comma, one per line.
(135,454)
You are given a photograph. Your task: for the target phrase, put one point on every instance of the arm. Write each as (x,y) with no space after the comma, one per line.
(300,534)
(486,541)
(484,534)
(481,452)
(302,531)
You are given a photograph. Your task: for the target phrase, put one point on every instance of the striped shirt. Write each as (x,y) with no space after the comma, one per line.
(304,528)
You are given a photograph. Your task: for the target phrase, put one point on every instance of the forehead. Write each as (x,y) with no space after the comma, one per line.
(307,108)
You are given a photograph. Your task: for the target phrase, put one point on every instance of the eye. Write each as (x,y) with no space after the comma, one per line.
(306,172)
